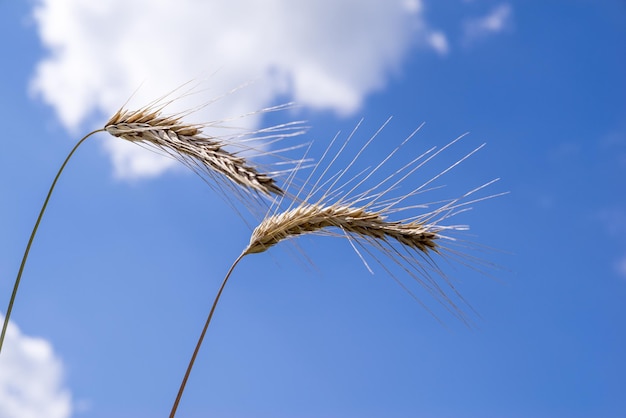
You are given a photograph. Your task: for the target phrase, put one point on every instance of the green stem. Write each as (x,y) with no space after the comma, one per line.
(32,236)
(206,326)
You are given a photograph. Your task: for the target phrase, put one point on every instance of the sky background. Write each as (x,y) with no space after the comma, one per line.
(133,248)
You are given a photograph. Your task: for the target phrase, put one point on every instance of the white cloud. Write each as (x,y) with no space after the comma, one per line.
(496,21)
(326,54)
(439,42)
(31,378)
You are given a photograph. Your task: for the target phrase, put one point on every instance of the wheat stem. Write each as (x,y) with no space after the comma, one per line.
(199,343)
(32,235)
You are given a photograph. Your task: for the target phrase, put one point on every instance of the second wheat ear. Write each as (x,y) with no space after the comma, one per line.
(185,142)
(344,205)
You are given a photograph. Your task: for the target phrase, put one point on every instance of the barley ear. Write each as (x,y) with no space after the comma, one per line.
(33,233)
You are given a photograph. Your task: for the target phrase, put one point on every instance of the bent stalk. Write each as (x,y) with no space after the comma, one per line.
(32,235)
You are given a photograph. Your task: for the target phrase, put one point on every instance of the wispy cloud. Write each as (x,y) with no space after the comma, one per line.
(614,221)
(31,378)
(496,21)
(324,54)
(439,42)
(620,267)
(614,143)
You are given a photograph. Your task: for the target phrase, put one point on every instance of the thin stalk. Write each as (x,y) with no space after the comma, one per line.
(32,236)
(206,326)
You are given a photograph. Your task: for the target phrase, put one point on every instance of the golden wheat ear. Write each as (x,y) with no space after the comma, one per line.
(225,159)
(362,205)
(205,155)
(383,216)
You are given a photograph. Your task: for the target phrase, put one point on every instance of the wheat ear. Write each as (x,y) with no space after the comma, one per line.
(362,216)
(309,218)
(187,143)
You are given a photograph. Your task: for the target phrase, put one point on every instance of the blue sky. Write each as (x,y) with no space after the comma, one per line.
(132,249)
